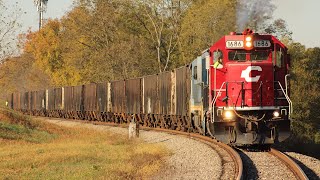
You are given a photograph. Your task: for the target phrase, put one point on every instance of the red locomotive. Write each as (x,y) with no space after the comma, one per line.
(236,91)
(247,89)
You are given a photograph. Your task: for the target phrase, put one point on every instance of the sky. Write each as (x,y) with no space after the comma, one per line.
(302,18)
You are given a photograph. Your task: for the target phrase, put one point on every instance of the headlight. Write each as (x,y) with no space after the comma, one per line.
(249,44)
(248,38)
(276,114)
(228,115)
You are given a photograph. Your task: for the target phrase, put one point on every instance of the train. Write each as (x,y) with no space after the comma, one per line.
(236,91)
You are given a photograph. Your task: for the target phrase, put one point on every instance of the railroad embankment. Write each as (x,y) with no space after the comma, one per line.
(33,149)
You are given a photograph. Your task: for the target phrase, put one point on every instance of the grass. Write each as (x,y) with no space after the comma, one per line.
(32,149)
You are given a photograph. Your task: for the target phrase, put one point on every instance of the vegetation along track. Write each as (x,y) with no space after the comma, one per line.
(232,166)
(272,164)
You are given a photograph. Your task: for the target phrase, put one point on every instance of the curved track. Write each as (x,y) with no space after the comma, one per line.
(293,166)
(269,164)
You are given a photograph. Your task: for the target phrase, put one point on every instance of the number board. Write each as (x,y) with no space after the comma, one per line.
(234,44)
(262,43)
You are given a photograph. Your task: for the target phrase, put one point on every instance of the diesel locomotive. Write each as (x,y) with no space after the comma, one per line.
(237,92)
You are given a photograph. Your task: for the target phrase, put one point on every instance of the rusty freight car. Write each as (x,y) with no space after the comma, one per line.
(37,102)
(55,102)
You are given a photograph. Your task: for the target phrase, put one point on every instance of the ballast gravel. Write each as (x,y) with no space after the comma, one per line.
(190,159)
(310,165)
(262,165)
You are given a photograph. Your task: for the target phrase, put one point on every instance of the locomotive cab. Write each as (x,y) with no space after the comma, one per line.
(249,96)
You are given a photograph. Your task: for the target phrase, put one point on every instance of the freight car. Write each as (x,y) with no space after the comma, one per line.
(236,91)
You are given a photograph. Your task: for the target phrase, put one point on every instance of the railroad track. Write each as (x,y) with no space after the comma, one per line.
(272,164)
(293,166)
(232,167)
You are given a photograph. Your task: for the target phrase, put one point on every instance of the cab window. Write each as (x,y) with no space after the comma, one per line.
(218,55)
(241,55)
(237,55)
(195,72)
(259,55)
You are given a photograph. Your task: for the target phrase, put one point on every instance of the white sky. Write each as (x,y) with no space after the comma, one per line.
(302,17)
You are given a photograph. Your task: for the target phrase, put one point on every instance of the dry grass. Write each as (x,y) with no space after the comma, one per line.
(77,153)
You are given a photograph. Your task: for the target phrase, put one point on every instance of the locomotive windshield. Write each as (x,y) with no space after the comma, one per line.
(241,55)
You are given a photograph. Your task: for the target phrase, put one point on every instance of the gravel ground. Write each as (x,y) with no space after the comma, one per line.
(310,165)
(262,165)
(190,159)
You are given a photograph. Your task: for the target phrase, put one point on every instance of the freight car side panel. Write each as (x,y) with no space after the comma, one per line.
(55,99)
(38,100)
(58,98)
(68,98)
(33,99)
(151,95)
(25,101)
(50,99)
(133,96)
(77,98)
(90,97)
(9,99)
(102,97)
(183,87)
(118,98)
(165,91)
(16,101)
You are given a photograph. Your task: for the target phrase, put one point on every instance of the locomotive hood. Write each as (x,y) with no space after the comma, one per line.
(250,84)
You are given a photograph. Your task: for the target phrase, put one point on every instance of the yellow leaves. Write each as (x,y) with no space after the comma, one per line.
(204,23)
(45,45)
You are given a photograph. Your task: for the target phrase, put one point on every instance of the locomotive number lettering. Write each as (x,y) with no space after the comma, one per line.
(234,44)
(262,43)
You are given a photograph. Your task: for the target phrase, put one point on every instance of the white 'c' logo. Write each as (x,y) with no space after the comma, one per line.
(245,73)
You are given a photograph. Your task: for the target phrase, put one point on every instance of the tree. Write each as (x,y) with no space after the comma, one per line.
(8,27)
(45,46)
(161,20)
(305,85)
(279,29)
(18,74)
(204,23)
(103,41)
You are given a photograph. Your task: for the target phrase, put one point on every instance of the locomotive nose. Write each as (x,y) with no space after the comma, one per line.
(250,83)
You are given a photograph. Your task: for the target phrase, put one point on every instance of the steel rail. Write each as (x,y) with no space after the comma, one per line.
(293,166)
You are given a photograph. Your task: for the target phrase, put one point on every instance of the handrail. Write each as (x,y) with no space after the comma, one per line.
(214,101)
(287,98)
(217,92)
